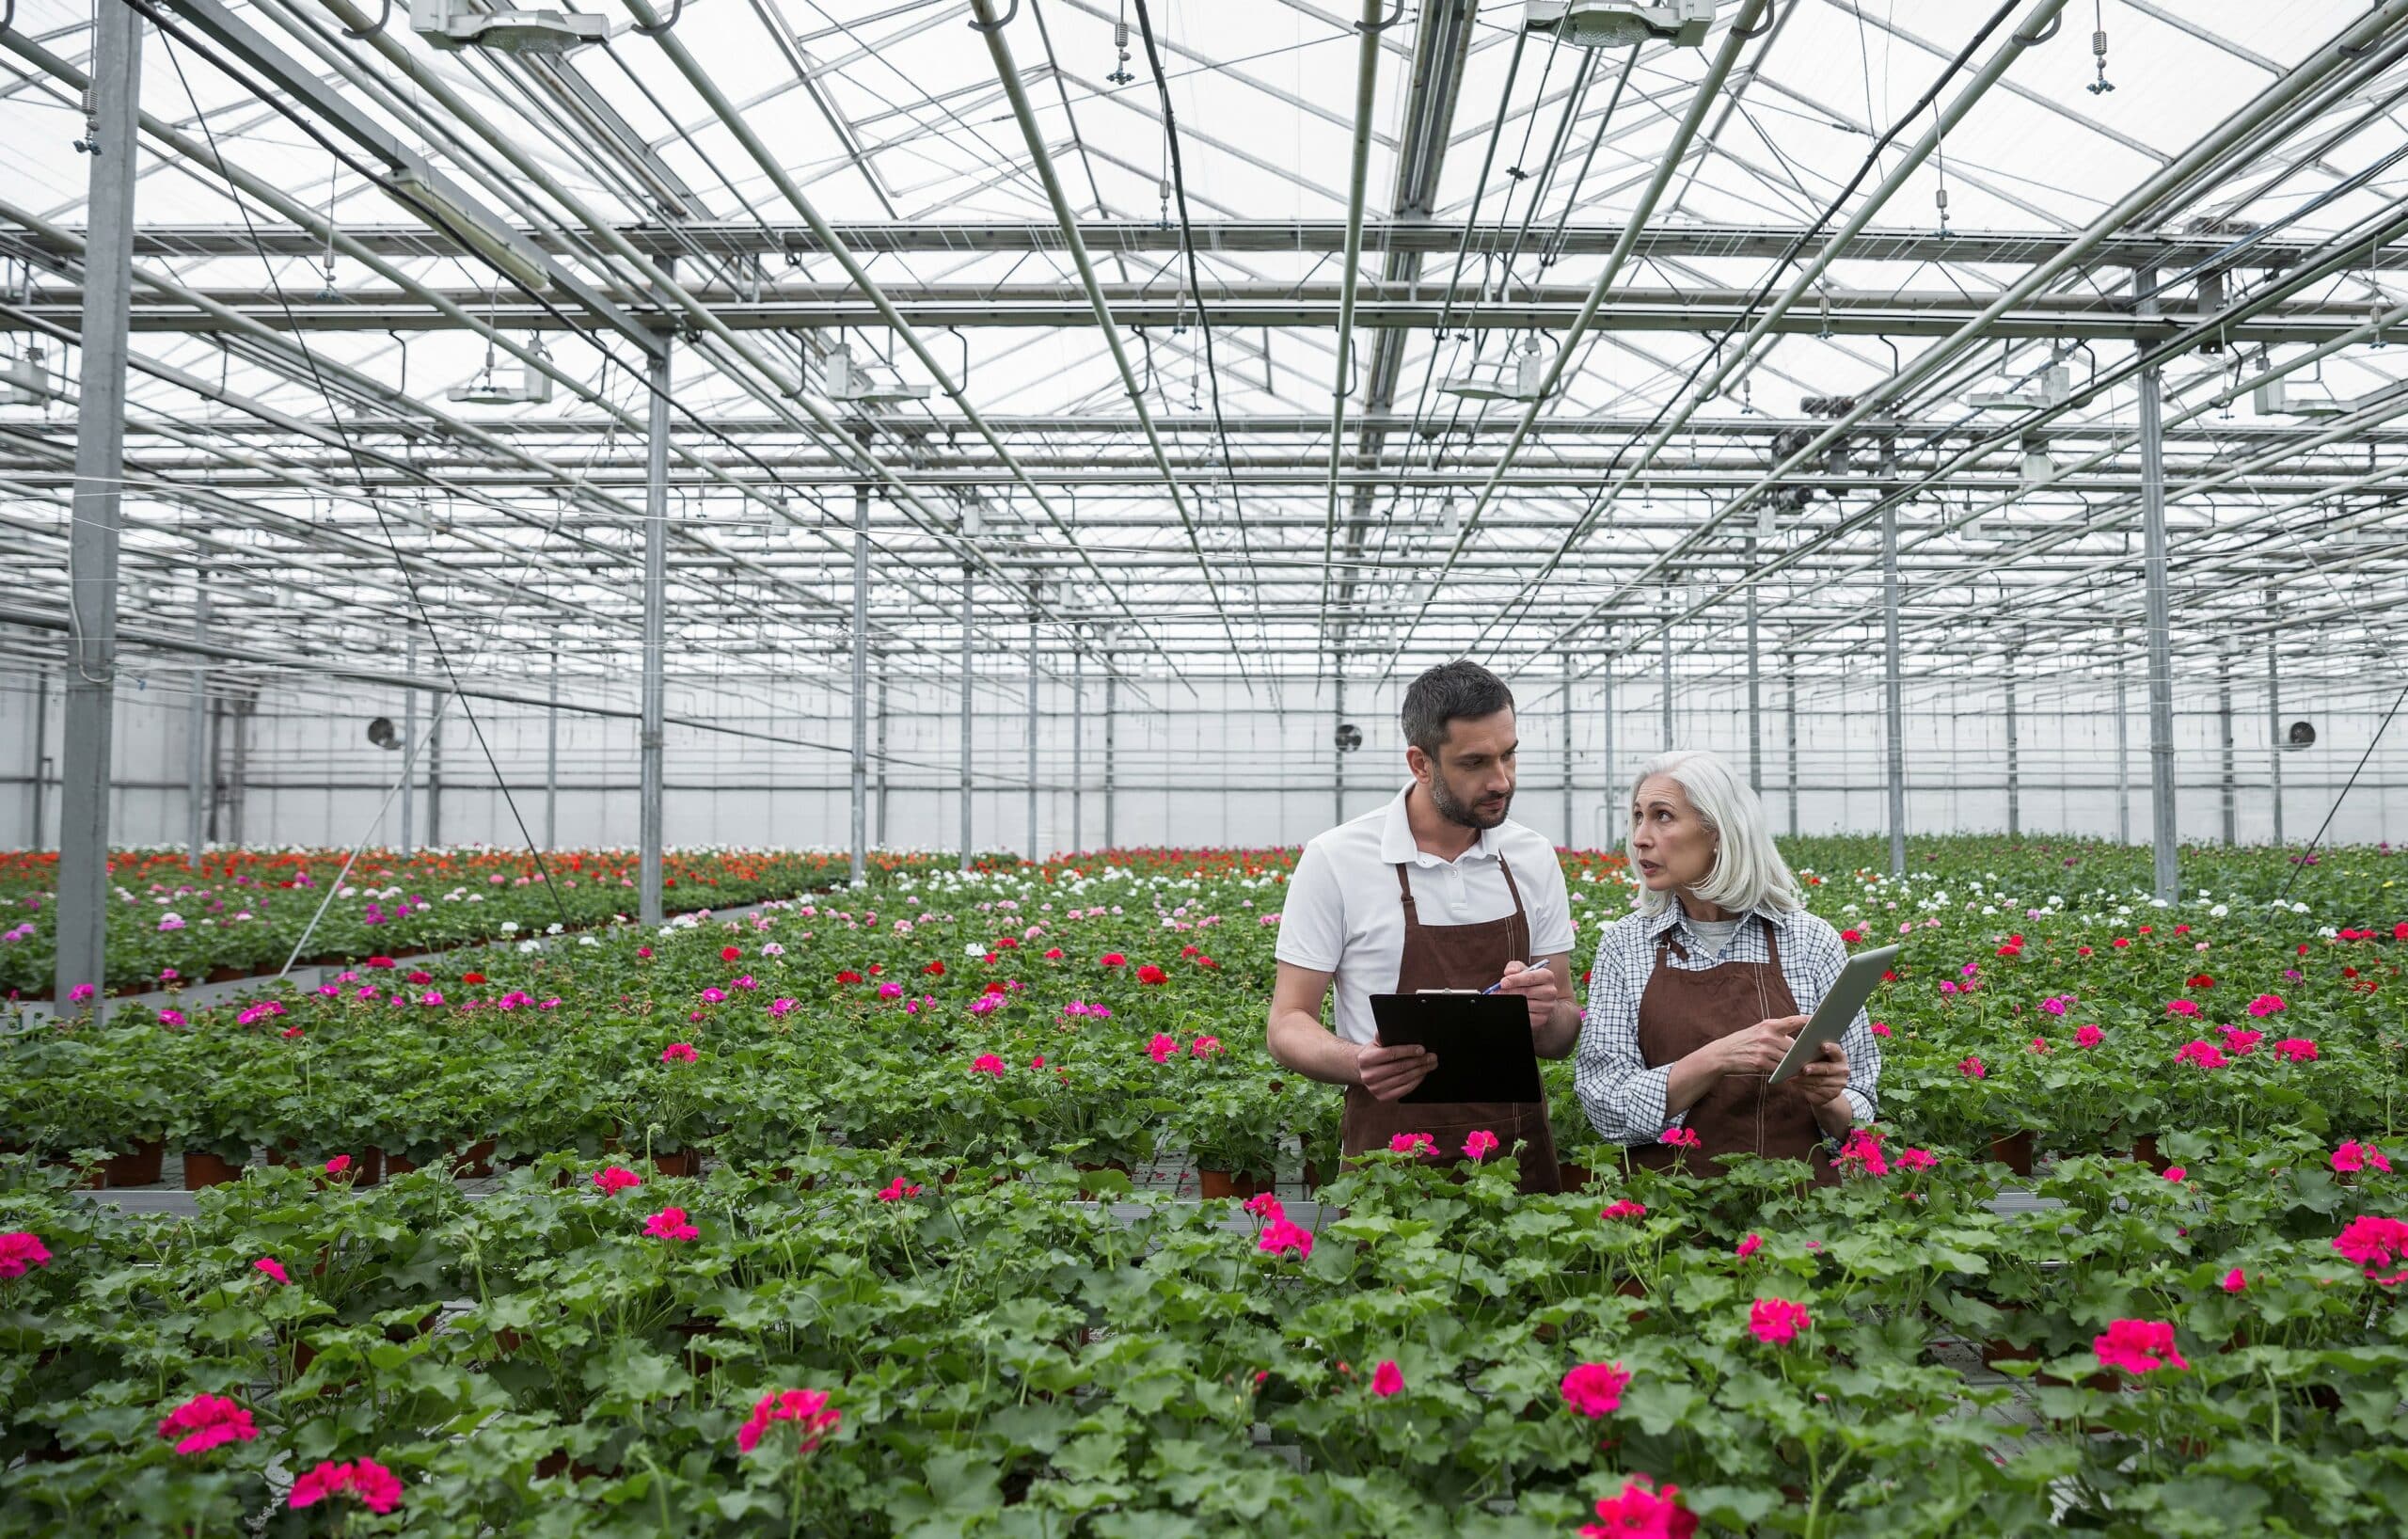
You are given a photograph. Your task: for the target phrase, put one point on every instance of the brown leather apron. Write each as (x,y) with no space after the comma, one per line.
(1683,1010)
(1458,957)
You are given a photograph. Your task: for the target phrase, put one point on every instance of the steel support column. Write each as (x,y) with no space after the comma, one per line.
(1567,841)
(1606,711)
(552,759)
(433,768)
(1756,690)
(969,598)
(1078,747)
(861,677)
(197,733)
(1032,728)
(2013,755)
(39,781)
(409,740)
(86,758)
(2275,722)
(1338,756)
(656,633)
(1668,688)
(2223,746)
(1111,701)
(2166,876)
(1790,680)
(885,785)
(1893,715)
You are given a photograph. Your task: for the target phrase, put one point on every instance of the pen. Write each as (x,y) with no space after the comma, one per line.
(1529,966)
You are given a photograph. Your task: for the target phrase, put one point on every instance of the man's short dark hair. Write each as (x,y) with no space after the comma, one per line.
(1450,693)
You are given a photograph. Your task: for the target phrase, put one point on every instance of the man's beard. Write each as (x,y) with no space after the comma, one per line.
(1443,797)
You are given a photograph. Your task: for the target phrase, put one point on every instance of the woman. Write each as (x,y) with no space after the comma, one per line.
(1694,998)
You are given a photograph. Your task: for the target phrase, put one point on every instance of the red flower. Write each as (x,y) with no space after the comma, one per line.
(421,975)
(380,962)
(1281,1233)
(2297,1049)
(670,1224)
(1388,1379)
(2119,943)
(1151,974)
(207,1421)
(2235,1281)
(807,1408)
(1112,958)
(935,969)
(1748,1246)
(614,1178)
(2138,1346)
(1640,1511)
(1054,954)
(1851,936)
(2182,1007)
(679,1052)
(996,986)
(987,1063)
(1415,1144)
(2205,1054)
(370,1483)
(2373,1243)
(1971,1068)
(2198,980)
(1624,1209)
(897,1190)
(472,977)
(1164,1048)
(339,1165)
(1595,1389)
(849,976)
(1007,941)
(2088,1037)
(729,953)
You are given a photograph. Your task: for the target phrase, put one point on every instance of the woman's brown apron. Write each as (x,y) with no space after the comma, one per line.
(1683,1010)
(1458,957)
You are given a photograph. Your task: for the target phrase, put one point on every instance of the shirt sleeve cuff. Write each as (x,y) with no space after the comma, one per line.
(1865,1110)
(1646,1100)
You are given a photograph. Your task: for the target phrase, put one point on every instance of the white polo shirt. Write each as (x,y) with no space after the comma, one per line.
(1344,915)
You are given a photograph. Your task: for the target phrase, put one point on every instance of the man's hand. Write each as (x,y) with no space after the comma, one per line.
(1536,985)
(1389,1072)
(1760,1048)
(1826,1078)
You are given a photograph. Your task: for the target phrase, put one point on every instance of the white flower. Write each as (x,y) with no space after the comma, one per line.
(530,945)
(974,948)
(2219,911)
(552,928)
(510,927)
(587,940)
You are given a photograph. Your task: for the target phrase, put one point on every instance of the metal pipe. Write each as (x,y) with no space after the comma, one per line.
(2123,748)
(1667,650)
(1613,777)
(1567,840)
(1892,706)
(1032,730)
(653,736)
(2014,751)
(87,747)
(2164,863)
(1792,694)
(1111,701)
(884,785)
(1338,752)
(2223,727)
(2275,722)
(861,677)
(1367,86)
(409,740)
(1755,721)
(197,734)
(968,598)
(552,759)
(39,781)
(434,766)
(1078,748)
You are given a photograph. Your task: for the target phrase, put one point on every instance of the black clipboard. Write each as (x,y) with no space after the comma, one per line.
(1482,1041)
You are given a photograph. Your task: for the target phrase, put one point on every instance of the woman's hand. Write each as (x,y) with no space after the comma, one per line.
(1826,1078)
(1760,1048)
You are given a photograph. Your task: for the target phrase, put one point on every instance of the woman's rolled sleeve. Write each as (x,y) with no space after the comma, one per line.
(1623,1097)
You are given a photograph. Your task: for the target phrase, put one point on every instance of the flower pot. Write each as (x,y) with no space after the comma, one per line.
(474,1163)
(367,1166)
(686,1162)
(139,1168)
(1575,1178)
(1312,1177)
(1219,1184)
(202,1168)
(2144,1151)
(2013,1151)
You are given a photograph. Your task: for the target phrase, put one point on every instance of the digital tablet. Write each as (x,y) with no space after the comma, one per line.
(1839,1007)
(1483,1043)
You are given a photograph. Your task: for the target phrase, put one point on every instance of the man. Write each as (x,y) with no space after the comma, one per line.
(1435,890)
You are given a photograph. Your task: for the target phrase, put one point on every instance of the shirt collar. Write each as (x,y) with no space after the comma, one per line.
(1675,914)
(1397,849)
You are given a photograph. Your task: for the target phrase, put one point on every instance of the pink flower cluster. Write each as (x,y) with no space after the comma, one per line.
(897,1190)
(1279,1233)
(1641,1511)
(2265,1004)
(1388,1379)
(2354,1155)
(614,1178)
(1748,1246)
(370,1483)
(2297,1049)
(670,1224)
(269,1267)
(2204,1054)
(2088,1037)
(808,1409)
(679,1052)
(1625,1207)
(1595,1389)
(987,1063)
(2138,1346)
(2374,1242)
(1163,1048)
(1775,1321)
(1479,1145)
(1680,1138)
(20,1251)
(1413,1143)
(207,1421)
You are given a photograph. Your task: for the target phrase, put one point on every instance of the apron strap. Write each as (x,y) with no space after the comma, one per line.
(1404,885)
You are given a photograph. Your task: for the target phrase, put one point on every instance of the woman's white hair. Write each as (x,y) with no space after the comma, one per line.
(1748,871)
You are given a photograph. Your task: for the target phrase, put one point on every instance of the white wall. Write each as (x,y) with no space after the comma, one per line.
(1221,767)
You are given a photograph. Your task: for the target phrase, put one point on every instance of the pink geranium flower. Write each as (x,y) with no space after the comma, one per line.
(2138,1346)
(1778,1320)
(1387,1379)
(1640,1511)
(2176,1174)
(2374,1242)
(1479,1144)
(2265,1004)
(207,1421)
(670,1224)
(1971,1068)
(987,1063)
(1264,1205)
(1413,1143)
(808,1409)
(2182,1006)
(2354,1155)
(679,1052)
(1204,1047)
(2204,1054)
(1280,1235)
(896,1191)
(1917,1159)
(369,1483)
(1864,1149)
(1163,1048)
(614,1178)
(2297,1049)
(272,1268)
(2040,1044)
(1748,1246)
(1595,1389)
(2242,1044)
(1625,1209)
(2233,1280)
(1680,1138)
(2088,1037)
(339,1165)
(20,1251)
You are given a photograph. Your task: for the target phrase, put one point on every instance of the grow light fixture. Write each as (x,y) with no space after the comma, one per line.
(1522,378)
(2002,401)
(492,388)
(427,198)
(452,27)
(860,384)
(2282,398)
(1621,23)
(28,381)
